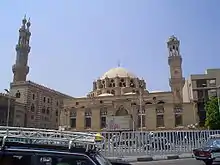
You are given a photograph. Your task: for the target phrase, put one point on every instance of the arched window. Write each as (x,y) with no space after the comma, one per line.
(32,108)
(160,115)
(121,111)
(88,118)
(103,115)
(73,115)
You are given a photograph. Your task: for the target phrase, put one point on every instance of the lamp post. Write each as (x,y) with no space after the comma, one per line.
(133,116)
(8,111)
(140,99)
(66,118)
(140,102)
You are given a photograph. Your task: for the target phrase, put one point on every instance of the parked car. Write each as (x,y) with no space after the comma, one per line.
(46,151)
(209,152)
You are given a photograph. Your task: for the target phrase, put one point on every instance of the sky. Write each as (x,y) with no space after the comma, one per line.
(74,42)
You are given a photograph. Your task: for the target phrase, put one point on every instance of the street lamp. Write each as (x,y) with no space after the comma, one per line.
(8,111)
(140,102)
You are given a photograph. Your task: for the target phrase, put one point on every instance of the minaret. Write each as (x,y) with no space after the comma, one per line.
(21,68)
(177,80)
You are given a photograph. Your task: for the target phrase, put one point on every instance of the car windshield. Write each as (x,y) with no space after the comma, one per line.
(102,160)
(213,143)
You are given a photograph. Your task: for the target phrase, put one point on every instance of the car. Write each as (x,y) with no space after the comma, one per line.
(210,151)
(48,148)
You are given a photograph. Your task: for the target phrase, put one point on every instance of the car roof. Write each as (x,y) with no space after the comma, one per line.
(48,140)
(39,148)
(215,136)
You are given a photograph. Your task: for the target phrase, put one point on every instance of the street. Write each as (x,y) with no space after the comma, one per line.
(190,161)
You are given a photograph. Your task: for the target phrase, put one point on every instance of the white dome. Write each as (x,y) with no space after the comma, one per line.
(118,72)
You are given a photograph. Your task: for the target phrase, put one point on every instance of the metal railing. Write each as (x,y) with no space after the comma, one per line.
(119,144)
(154,143)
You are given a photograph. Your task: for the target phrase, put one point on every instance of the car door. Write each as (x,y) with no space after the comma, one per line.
(62,159)
(13,157)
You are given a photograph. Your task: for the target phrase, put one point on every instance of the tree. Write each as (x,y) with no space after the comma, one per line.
(212,114)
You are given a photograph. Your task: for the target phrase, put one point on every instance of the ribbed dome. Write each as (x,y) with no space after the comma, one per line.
(118,72)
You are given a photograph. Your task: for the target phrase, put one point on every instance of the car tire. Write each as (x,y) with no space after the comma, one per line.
(208,162)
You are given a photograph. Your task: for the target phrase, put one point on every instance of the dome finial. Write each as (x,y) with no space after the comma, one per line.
(119,63)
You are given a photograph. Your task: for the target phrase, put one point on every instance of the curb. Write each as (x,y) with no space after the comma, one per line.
(151,158)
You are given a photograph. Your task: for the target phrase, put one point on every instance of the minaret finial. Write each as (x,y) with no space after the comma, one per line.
(119,63)
(29,23)
(24,21)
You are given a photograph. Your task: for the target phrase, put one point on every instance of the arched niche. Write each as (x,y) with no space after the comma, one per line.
(121,111)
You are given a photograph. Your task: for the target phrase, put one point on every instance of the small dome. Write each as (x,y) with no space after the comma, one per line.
(172,38)
(105,94)
(118,72)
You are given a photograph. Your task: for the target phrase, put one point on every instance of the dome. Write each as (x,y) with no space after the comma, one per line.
(118,72)
(172,38)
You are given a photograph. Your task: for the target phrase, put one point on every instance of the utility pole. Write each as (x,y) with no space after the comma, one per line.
(8,111)
(141,109)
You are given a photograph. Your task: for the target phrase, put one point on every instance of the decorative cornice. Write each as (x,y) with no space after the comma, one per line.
(31,83)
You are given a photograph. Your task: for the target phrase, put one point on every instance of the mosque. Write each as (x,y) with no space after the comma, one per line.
(119,99)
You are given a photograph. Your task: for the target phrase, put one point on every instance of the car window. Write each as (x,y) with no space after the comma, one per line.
(213,143)
(63,160)
(102,160)
(15,159)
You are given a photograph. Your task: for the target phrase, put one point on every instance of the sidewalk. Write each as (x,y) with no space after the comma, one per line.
(151,158)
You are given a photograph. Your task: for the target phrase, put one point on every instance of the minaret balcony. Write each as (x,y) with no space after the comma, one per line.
(175,81)
(17,68)
(23,48)
(172,60)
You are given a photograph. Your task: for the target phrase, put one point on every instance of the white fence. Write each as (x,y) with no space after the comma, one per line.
(154,143)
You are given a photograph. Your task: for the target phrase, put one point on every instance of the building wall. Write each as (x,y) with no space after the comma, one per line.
(19,115)
(200,87)
(43,105)
(151,106)
(16,112)
(187,91)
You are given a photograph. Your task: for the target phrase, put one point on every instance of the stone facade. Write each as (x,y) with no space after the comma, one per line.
(120,93)
(43,105)
(158,111)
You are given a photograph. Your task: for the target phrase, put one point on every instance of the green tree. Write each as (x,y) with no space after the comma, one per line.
(212,114)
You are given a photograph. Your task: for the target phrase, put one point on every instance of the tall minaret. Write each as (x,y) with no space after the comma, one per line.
(21,68)
(177,80)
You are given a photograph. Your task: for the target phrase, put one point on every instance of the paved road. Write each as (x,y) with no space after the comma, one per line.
(172,162)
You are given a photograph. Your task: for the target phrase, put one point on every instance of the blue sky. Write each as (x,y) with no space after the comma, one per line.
(76,41)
